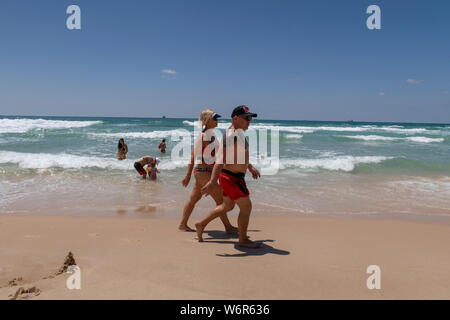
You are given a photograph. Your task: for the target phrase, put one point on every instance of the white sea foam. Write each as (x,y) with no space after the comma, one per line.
(143,135)
(425,139)
(61,160)
(293,129)
(294,136)
(172,165)
(343,163)
(25,125)
(69,161)
(190,123)
(311,129)
(371,138)
(383,138)
(398,130)
(123,125)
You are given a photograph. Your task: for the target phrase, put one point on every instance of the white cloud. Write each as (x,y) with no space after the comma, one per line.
(445,92)
(381,94)
(415,81)
(169,72)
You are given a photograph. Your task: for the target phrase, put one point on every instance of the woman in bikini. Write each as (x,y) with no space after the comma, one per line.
(122,150)
(203,170)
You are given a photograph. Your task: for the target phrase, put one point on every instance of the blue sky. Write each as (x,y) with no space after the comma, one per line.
(305,60)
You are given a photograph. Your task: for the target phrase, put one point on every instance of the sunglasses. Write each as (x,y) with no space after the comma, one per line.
(248,118)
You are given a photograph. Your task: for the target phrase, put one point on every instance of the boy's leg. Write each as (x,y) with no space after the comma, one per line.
(245,207)
(221,209)
(217,195)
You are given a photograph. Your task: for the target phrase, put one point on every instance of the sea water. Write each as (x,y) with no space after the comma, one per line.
(64,165)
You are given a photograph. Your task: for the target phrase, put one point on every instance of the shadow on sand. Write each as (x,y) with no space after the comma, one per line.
(264,249)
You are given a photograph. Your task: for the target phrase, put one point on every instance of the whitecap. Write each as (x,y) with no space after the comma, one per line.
(190,123)
(425,139)
(61,160)
(144,135)
(294,136)
(70,161)
(371,138)
(25,125)
(383,138)
(340,163)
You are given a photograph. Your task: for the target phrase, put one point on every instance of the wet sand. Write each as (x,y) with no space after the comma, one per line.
(148,258)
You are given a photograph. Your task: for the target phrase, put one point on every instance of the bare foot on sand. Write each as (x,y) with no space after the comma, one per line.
(185,228)
(199,228)
(231,230)
(249,244)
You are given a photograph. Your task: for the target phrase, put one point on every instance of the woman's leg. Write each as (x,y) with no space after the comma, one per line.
(221,209)
(189,207)
(200,180)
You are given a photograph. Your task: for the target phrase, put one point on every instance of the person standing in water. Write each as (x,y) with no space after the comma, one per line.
(162,146)
(122,150)
(230,168)
(202,157)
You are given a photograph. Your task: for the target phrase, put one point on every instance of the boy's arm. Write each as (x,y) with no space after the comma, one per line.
(255,173)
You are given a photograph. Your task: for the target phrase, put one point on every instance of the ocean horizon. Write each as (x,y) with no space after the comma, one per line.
(224,117)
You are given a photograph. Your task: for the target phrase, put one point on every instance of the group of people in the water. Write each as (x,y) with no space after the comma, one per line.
(211,161)
(139,165)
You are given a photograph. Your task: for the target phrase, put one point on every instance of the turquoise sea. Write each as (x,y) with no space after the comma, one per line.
(63,165)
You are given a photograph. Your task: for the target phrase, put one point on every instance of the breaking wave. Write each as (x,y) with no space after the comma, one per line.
(25,125)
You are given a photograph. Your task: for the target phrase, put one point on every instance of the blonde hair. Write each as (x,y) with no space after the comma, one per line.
(205,116)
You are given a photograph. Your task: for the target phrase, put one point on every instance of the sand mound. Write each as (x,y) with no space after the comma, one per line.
(69,261)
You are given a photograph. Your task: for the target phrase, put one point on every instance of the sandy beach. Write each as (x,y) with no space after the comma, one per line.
(148,258)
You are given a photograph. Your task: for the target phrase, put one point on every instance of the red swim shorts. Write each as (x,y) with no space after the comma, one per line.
(139,168)
(233,185)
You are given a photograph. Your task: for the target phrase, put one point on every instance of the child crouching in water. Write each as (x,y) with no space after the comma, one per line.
(152,171)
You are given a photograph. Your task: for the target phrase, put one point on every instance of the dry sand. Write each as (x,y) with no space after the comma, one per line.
(148,258)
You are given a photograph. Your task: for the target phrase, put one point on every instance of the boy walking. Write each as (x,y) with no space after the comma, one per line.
(231,165)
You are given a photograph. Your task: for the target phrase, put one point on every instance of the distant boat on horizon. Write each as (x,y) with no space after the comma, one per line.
(163,117)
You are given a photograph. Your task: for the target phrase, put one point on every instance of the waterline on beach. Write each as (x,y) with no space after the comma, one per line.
(59,164)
